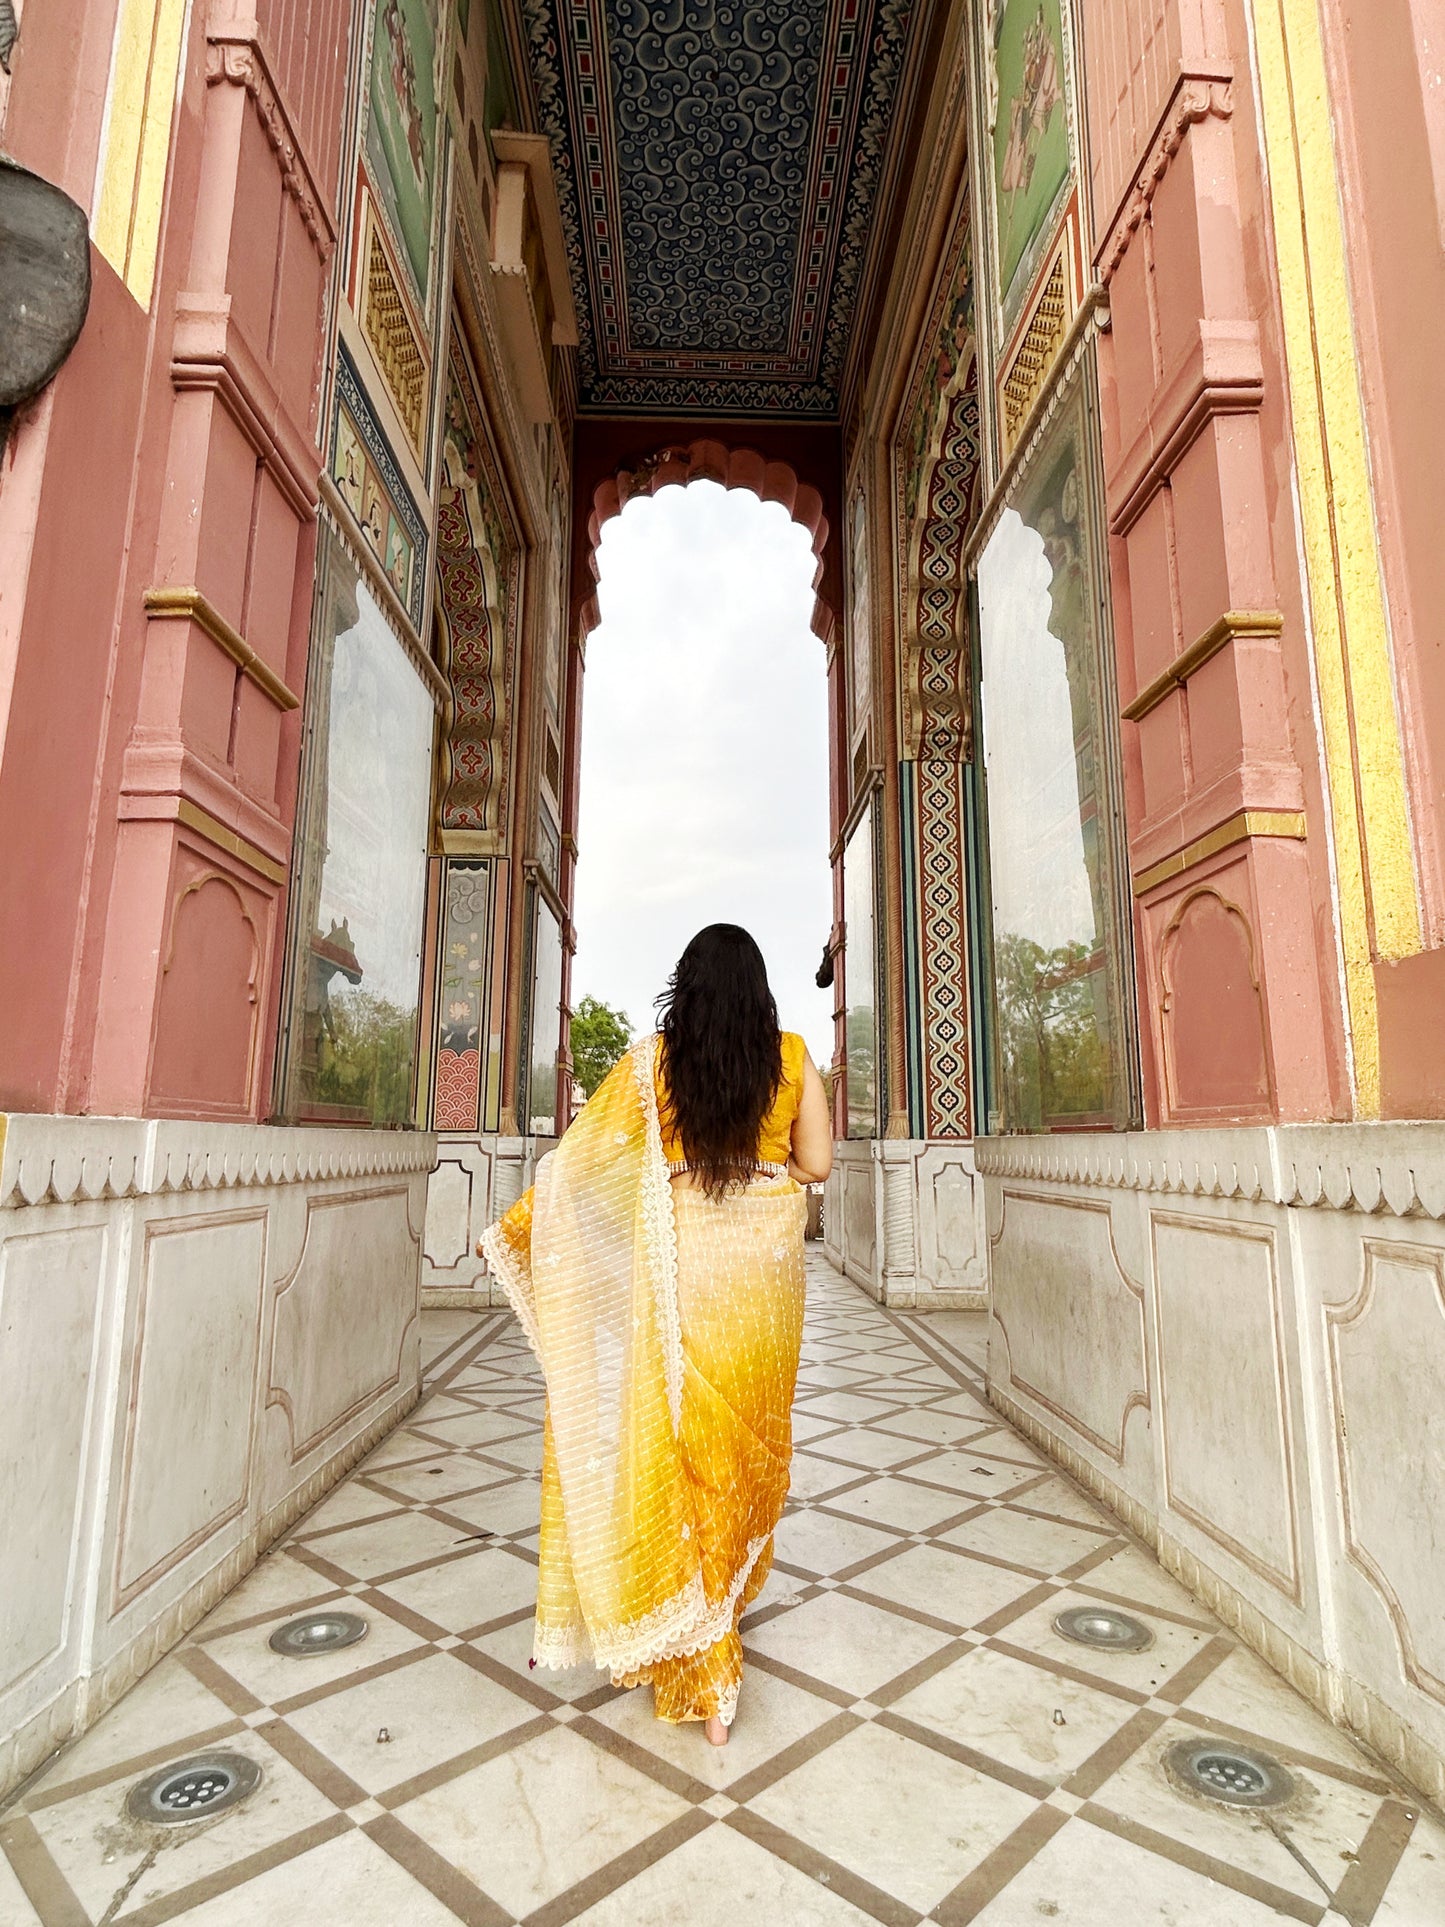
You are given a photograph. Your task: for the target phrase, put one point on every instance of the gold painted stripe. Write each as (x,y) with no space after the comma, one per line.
(130,193)
(1258,625)
(1288,823)
(190,605)
(214,831)
(1379,911)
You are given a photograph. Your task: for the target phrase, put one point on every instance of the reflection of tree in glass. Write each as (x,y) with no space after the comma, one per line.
(365,1063)
(862,1065)
(1052,1032)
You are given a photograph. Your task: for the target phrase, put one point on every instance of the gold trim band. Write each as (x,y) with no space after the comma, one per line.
(189,605)
(1252,626)
(1247,823)
(214,831)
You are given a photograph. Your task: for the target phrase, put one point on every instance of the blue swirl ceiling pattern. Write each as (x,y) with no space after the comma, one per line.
(717,164)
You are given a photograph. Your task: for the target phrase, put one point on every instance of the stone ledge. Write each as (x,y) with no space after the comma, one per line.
(70,1160)
(1396,1170)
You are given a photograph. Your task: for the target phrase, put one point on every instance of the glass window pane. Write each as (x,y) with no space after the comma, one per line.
(361,881)
(546,1022)
(859,981)
(1060,1048)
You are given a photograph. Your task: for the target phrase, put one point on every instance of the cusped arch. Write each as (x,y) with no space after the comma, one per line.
(714,461)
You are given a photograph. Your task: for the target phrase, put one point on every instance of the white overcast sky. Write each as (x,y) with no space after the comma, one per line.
(704,753)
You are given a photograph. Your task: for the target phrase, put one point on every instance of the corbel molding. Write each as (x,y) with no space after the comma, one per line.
(1198,96)
(189,605)
(1243,825)
(240,60)
(1263,625)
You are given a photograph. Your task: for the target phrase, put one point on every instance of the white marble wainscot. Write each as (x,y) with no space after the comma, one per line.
(475,1181)
(904,1219)
(202,1327)
(1236,1338)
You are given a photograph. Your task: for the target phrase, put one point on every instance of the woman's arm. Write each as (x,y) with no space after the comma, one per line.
(811,1152)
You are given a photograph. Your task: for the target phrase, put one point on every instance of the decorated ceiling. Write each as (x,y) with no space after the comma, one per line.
(718,164)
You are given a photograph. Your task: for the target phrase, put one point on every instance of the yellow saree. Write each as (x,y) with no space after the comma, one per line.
(668,1327)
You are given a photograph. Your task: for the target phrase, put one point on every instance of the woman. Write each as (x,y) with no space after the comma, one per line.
(657,1268)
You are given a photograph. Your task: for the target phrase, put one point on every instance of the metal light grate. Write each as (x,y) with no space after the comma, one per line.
(1104,1629)
(194,1789)
(1233,1776)
(323,1632)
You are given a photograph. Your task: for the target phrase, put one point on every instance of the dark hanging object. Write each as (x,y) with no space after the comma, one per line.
(45,280)
(9,32)
(824,977)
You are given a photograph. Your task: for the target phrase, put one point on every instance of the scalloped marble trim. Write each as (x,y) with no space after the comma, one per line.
(70,1160)
(1396,1170)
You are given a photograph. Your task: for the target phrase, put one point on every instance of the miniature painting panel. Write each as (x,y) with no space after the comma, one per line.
(1059,1044)
(1031,159)
(462,995)
(401,129)
(362,885)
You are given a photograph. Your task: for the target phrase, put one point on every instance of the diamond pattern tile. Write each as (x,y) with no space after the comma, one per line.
(915,1741)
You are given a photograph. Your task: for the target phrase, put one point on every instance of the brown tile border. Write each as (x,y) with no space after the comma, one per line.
(918,1675)
(442,1880)
(210,1886)
(790,1675)
(1204,1623)
(641,1759)
(768,1772)
(968,1756)
(1116,1689)
(42,1882)
(1196,1669)
(523,1685)
(950,1628)
(41,1797)
(205,1634)
(1038,1595)
(993,1873)
(339,1788)
(627,1866)
(1380,1852)
(840,1880)
(1354,1776)
(1105,1761)
(328,1688)
(214,1677)
(446,1771)
(1292,1906)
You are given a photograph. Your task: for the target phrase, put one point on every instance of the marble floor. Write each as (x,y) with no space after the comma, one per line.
(915,1740)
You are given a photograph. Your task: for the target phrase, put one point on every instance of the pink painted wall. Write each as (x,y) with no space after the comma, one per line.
(1239,1009)
(177,449)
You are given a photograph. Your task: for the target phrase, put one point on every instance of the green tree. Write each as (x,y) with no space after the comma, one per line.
(600,1036)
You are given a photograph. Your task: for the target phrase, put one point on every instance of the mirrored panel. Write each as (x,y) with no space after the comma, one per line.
(356,927)
(546,1021)
(1060,1048)
(860,979)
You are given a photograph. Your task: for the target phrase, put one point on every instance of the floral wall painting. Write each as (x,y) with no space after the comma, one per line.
(401,126)
(1029,127)
(462,979)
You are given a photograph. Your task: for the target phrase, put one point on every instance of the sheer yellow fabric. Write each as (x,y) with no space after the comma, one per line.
(668,1327)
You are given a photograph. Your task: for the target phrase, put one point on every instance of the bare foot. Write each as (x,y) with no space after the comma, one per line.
(715,1731)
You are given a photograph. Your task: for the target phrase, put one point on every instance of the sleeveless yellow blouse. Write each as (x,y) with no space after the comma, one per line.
(776,1136)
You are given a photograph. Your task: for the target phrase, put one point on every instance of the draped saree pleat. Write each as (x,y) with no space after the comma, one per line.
(668,1326)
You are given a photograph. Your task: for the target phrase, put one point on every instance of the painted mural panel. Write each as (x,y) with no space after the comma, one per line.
(361,881)
(479,585)
(401,126)
(366,473)
(1061,1049)
(860,611)
(1029,129)
(546,1013)
(462,981)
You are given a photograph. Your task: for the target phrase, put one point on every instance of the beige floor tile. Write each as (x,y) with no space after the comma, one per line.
(909,1820)
(720,1879)
(435,1480)
(1145,1672)
(468,1592)
(812,1477)
(864,1446)
(1063,1500)
(937,1428)
(843,1408)
(779,1589)
(1020,1714)
(900,1503)
(1042,1544)
(522,1454)
(512,1507)
(276,1583)
(348,1882)
(403,1540)
(1085,1877)
(930,1580)
(1243,1692)
(535,1821)
(846,1642)
(771,1715)
(15,1908)
(1132,1574)
(966,1472)
(842,1376)
(806,1427)
(433,1710)
(1416,1894)
(512,1645)
(80,1833)
(819,1543)
(271,1677)
(343,1507)
(168,1704)
(469,1427)
(402,1447)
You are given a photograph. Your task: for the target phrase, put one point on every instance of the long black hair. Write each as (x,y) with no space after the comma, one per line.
(722,1053)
